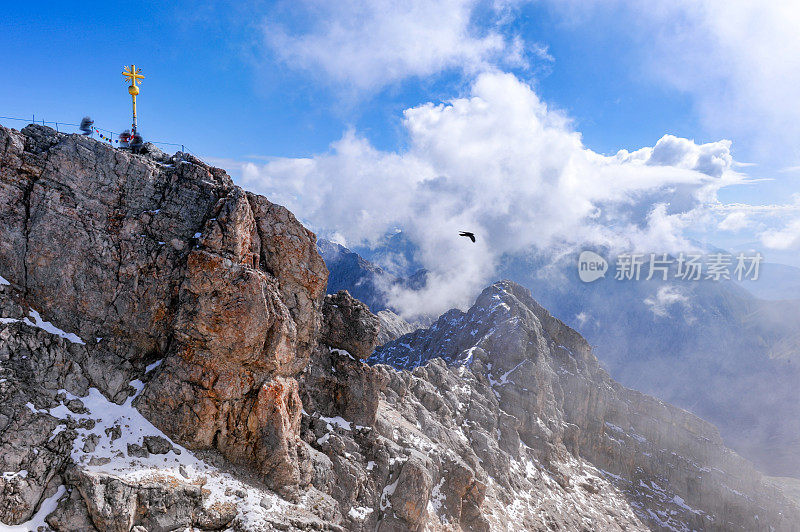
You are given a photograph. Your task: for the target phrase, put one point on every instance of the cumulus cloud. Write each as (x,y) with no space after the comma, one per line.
(735,221)
(713,158)
(499,163)
(367,45)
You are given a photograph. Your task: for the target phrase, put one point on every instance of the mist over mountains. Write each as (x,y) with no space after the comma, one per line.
(710,347)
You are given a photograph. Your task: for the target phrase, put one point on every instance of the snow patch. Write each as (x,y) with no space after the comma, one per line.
(52,329)
(153,366)
(342,352)
(10,475)
(359,513)
(47,507)
(338,421)
(388,491)
(39,323)
(437,497)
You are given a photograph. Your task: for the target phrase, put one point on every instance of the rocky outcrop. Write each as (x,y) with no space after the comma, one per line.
(149,261)
(337,383)
(348,324)
(115,505)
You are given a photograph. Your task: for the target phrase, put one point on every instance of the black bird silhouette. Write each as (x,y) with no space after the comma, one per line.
(471,236)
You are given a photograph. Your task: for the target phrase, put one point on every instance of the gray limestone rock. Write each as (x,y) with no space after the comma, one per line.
(348,324)
(157,444)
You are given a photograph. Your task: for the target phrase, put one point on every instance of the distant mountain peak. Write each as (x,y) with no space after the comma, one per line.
(545,377)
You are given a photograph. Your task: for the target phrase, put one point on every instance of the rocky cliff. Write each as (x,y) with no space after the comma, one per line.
(169,360)
(671,465)
(161,264)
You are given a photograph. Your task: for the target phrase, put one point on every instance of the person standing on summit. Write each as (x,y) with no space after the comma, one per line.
(86,125)
(124,139)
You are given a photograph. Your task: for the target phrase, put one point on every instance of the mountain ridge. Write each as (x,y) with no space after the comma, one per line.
(464,339)
(709,347)
(169,360)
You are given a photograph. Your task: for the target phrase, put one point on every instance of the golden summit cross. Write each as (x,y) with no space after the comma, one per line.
(133,76)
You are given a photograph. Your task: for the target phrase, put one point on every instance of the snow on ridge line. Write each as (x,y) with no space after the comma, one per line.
(4,281)
(39,323)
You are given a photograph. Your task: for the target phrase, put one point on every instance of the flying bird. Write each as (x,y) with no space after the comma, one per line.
(467,234)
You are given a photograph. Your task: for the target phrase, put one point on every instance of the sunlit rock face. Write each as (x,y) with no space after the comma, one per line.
(150,260)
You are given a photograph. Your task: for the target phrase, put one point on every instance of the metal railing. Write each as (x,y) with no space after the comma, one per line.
(34,120)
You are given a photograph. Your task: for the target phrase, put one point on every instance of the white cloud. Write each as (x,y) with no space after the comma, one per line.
(499,163)
(368,45)
(665,298)
(739,60)
(787,238)
(713,158)
(735,221)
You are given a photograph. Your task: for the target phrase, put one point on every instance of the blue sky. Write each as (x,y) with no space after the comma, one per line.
(213,86)
(262,87)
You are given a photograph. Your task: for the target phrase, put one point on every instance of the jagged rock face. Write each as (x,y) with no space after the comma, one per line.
(148,261)
(561,401)
(348,324)
(113,504)
(336,383)
(87,464)
(431,461)
(410,452)
(34,366)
